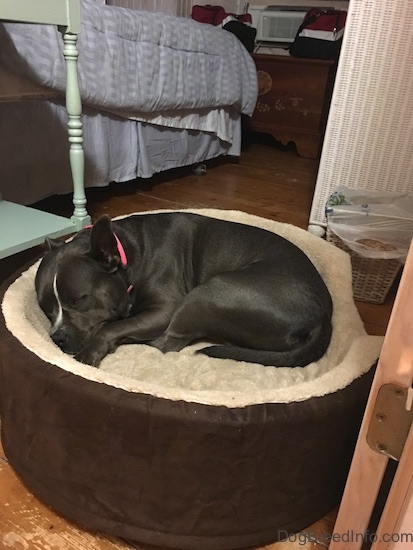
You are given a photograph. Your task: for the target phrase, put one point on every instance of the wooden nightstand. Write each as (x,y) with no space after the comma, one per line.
(294,99)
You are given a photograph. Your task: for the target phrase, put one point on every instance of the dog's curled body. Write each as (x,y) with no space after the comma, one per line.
(188,277)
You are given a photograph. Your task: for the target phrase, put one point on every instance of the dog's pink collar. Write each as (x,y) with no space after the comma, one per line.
(122,253)
(123,257)
(121,250)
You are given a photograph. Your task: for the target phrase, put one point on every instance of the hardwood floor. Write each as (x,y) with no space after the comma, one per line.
(269,182)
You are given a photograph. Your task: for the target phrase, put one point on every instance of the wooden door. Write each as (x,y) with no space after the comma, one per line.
(395,529)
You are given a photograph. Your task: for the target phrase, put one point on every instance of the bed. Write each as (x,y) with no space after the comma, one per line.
(182,450)
(158,92)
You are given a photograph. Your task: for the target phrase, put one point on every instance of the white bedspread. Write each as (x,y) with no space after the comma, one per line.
(147,66)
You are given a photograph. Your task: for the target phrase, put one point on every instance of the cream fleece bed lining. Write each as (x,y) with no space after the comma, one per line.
(200,379)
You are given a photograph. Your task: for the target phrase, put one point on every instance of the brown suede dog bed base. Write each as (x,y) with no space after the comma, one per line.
(169,471)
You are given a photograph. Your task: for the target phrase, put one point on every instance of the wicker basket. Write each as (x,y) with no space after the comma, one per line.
(372,278)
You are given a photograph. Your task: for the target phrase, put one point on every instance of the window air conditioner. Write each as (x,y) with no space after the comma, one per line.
(279,24)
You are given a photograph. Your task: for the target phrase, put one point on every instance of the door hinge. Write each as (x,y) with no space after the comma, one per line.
(391,420)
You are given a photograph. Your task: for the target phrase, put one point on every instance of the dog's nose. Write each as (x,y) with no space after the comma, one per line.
(59,337)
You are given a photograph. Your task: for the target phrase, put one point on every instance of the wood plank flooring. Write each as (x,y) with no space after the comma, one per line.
(267,181)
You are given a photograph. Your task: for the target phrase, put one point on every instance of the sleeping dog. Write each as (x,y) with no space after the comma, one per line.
(170,279)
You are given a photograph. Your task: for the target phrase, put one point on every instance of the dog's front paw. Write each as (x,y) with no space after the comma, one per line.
(91,354)
(89,357)
(95,350)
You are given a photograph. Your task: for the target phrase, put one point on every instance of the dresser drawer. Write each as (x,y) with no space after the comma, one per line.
(293,101)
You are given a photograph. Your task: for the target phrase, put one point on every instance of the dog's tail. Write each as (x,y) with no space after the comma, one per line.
(312,349)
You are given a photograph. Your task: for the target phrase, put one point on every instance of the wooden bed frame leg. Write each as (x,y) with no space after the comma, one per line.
(74,110)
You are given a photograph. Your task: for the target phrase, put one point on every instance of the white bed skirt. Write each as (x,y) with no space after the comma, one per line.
(33,139)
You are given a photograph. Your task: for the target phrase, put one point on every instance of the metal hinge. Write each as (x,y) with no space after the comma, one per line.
(391,420)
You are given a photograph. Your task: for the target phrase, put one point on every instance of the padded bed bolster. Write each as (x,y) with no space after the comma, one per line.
(174,473)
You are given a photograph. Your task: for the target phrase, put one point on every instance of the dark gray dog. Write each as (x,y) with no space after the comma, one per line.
(172,278)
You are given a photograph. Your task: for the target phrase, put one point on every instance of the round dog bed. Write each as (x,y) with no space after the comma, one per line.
(183,450)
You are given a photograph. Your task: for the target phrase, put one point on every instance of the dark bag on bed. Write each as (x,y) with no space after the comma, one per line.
(240,25)
(320,35)
(244,32)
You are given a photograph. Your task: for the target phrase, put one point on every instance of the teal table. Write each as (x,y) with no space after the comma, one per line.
(22,227)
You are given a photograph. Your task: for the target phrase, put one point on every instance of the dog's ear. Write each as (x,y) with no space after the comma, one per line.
(103,245)
(52,244)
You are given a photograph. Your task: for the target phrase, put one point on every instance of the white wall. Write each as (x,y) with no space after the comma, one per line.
(237,5)
(338,4)
(175,7)
(184,7)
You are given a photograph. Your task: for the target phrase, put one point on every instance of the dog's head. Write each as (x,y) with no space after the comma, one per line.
(81,285)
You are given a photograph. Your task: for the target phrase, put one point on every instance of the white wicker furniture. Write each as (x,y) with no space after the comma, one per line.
(368,142)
